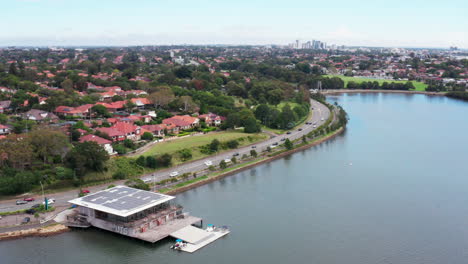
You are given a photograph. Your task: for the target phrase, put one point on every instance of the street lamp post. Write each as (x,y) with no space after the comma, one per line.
(43,197)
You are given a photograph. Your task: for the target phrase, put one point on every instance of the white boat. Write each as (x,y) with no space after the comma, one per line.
(179,244)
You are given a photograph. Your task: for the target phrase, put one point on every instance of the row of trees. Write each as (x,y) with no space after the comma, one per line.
(285,118)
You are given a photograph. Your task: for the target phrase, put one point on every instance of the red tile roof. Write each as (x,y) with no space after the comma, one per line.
(180,121)
(111,132)
(73,110)
(154,128)
(113,105)
(99,140)
(125,127)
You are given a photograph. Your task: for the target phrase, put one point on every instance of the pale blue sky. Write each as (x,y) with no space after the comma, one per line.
(426,23)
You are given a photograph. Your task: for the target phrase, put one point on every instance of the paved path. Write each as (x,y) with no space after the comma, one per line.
(320,115)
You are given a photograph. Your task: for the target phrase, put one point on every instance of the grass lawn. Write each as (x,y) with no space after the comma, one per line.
(282,104)
(193,142)
(419,85)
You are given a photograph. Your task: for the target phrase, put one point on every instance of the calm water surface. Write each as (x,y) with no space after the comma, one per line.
(392,189)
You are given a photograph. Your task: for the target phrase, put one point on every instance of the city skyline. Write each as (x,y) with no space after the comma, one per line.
(257,22)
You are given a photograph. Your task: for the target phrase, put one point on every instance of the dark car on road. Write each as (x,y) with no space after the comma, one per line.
(35,206)
(283,139)
(26,220)
(288,133)
(300,129)
(254,146)
(30,211)
(235,154)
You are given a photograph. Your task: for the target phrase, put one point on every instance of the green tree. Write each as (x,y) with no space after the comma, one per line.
(262,113)
(232,144)
(183,72)
(288,144)
(141,161)
(223,164)
(120,149)
(164,160)
(119,175)
(67,85)
(253,153)
(87,156)
(185,154)
(251,125)
(100,111)
(147,136)
(151,162)
(214,145)
(48,142)
(13,70)
(3,119)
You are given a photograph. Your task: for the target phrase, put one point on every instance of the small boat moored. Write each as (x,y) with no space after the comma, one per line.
(179,244)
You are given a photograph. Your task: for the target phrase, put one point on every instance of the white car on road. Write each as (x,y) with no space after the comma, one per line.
(208,163)
(146,180)
(49,201)
(174,174)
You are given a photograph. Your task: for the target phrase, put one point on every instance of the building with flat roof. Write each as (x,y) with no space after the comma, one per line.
(132,212)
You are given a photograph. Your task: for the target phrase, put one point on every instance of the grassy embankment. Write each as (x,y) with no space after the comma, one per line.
(193,142)
(170,147)
(420,86)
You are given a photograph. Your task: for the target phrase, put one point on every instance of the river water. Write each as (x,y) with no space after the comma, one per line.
(392,189)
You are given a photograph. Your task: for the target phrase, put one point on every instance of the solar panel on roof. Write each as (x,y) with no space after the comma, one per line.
(123,198)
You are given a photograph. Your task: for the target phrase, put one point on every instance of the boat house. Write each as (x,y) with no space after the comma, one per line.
(131,212)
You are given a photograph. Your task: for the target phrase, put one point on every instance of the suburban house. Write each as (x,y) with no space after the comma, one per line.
(134,118)
(141,102)
(115,134)
(104,143)
(212,119)
(182,122)
(106,95)
(129,130)
(5,106)
(79,111)
(114,106)
(4,130)
(40,116)
(157,130)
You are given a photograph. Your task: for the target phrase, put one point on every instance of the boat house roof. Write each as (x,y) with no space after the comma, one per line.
(122,200)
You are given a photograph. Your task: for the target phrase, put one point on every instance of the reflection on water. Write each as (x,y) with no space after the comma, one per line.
(388,190)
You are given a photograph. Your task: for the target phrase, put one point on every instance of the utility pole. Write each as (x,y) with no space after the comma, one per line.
(43,197)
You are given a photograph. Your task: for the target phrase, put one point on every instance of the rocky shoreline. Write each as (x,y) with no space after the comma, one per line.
(50,230)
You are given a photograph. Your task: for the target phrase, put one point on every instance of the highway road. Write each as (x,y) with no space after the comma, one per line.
(320,114)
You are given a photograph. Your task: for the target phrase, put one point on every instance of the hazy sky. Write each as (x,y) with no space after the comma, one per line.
(415,23)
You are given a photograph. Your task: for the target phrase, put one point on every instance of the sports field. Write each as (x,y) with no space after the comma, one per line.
(419,85)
